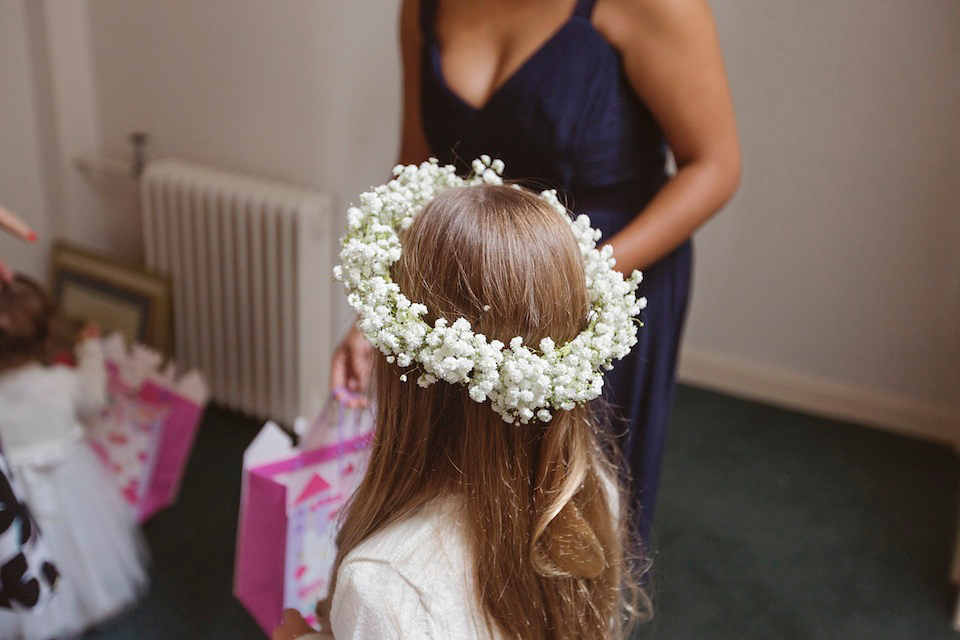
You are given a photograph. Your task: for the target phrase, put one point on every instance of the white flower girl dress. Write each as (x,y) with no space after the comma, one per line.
(90,531)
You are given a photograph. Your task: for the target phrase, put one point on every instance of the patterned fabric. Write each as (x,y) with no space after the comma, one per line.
(27,577)
(125,437)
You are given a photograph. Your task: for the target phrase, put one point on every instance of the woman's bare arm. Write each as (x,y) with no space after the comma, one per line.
(413,143)
(11,223)
(672,58)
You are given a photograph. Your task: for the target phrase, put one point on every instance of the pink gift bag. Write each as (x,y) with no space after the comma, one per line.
(289,508)
(145,434)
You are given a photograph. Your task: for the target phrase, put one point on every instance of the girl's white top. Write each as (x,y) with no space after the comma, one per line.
(415,579)
(39,406)
(412,580)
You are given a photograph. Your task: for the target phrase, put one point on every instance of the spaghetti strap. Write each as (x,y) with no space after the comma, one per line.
(583,10)
(428,11)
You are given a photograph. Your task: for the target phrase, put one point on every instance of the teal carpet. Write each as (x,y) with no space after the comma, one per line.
(773,525)
(777,525)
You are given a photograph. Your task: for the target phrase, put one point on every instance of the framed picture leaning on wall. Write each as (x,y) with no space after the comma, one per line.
(88,287)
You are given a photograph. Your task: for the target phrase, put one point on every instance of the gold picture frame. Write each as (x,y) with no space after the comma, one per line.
(88,287)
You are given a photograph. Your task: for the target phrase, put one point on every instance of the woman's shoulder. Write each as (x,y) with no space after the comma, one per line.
(623,21)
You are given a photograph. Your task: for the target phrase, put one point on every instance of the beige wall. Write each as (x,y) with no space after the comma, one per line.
(300,91)
(838,263)
(831,282)
(20,174)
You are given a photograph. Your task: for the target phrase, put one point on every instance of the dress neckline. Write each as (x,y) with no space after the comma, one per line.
(581,10)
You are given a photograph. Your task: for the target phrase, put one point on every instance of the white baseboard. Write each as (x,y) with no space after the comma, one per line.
(820,397)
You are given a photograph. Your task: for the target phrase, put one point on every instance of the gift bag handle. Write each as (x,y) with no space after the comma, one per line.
(344,395)
(337,409)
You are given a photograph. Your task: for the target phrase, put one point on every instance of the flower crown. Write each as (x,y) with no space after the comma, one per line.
(521,382)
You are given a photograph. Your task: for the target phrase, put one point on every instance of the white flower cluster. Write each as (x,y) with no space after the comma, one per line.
(521,382)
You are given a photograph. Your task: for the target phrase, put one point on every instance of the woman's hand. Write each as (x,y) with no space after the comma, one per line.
(352,368)
(12,224)
(292,627)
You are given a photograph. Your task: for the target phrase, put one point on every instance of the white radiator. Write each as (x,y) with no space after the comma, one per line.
(250,262)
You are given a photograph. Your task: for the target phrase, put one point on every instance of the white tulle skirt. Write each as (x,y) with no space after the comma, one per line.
(93,538)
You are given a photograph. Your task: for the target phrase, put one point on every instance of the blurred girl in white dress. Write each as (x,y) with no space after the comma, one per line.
(91,532)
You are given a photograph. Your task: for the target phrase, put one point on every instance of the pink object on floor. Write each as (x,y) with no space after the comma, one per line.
(289,506)
(145,434)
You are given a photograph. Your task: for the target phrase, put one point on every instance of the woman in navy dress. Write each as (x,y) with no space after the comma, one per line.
(585,96)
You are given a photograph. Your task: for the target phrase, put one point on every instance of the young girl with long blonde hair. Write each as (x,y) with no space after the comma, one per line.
(465,525)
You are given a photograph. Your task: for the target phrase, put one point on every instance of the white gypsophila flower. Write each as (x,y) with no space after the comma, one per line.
(520,382)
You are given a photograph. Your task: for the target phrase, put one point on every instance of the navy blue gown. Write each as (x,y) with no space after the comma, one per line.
(569,119)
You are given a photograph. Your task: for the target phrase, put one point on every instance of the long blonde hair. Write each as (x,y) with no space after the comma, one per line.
(541,501)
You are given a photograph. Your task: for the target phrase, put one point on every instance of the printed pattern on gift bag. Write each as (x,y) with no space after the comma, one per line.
(145,434)
(290,506)
(125,439)
(318,495)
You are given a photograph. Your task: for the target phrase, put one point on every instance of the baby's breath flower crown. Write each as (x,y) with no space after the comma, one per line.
(521,382)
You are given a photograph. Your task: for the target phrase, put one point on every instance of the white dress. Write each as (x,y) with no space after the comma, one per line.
(91,533)
(413,580)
